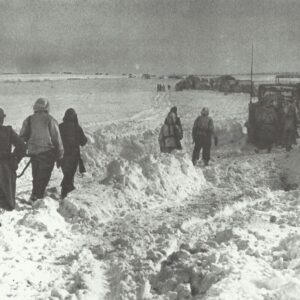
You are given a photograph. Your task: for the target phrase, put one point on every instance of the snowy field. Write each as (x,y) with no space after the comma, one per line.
(144,225)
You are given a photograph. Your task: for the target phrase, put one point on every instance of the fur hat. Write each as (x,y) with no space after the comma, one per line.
(41,104)
(205,111)
(2,114)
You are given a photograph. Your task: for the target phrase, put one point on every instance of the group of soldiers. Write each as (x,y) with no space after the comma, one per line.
(272,121)
(171,133)
(162,88)
(46,143)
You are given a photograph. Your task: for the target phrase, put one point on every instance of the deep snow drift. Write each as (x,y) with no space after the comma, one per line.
(145,225)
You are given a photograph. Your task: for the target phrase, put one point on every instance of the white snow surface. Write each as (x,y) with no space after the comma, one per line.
(146,225)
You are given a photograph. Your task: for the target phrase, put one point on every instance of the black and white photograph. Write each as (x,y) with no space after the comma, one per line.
(149,150)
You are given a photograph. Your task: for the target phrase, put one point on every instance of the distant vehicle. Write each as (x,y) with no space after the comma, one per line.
(223,83)
(146,76)
(192,82)
(287,78)
(242,86)
(174,76)
(228,84)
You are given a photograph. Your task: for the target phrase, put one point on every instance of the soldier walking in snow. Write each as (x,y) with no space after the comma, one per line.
(171,132)
(41,133)
(9,163)
(72,137)
(267,127)
(202,133)
(289,126)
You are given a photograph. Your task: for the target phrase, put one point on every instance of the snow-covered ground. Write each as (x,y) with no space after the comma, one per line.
(145,225)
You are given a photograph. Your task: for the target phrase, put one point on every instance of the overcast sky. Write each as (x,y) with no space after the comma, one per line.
(155,36)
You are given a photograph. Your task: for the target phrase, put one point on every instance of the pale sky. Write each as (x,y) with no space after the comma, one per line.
(149,36)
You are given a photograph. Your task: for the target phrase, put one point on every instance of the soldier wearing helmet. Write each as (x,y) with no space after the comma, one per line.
(203,131)
(41,133)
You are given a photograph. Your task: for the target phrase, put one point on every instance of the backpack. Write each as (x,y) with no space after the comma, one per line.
(203,124)
(27,134)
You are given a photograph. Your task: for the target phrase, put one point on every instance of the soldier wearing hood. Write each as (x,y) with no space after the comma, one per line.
(203,131)
(72,137)
(9,163)
(41,133)
(171,132)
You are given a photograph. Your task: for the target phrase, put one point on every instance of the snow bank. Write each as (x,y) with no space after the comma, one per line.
(229,132)
(141,184)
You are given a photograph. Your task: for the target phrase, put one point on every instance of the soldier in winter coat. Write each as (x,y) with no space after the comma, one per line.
(267,127)
(41,133)
(72,137)
(171,132)
(289,126)
(9,163)
(202,134)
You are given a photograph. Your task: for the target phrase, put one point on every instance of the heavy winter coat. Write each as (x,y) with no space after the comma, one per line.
(170,134)
(72,137)
(8,165)
(41,133)
(289,122)
(167,138)
(203,126)
(267,127)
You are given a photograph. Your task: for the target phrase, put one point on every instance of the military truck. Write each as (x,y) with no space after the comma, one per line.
(192,82)
(275,96)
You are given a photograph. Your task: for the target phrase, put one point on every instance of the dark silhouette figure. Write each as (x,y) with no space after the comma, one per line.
(9,163)
(72,137)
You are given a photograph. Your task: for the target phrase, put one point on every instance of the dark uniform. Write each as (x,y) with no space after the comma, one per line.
(289,127)
(72,137)
(203,131)
(178,128)
(9,163)
(267,125)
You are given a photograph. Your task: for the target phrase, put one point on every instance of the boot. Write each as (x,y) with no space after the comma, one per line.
(63,194)
(32,198)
